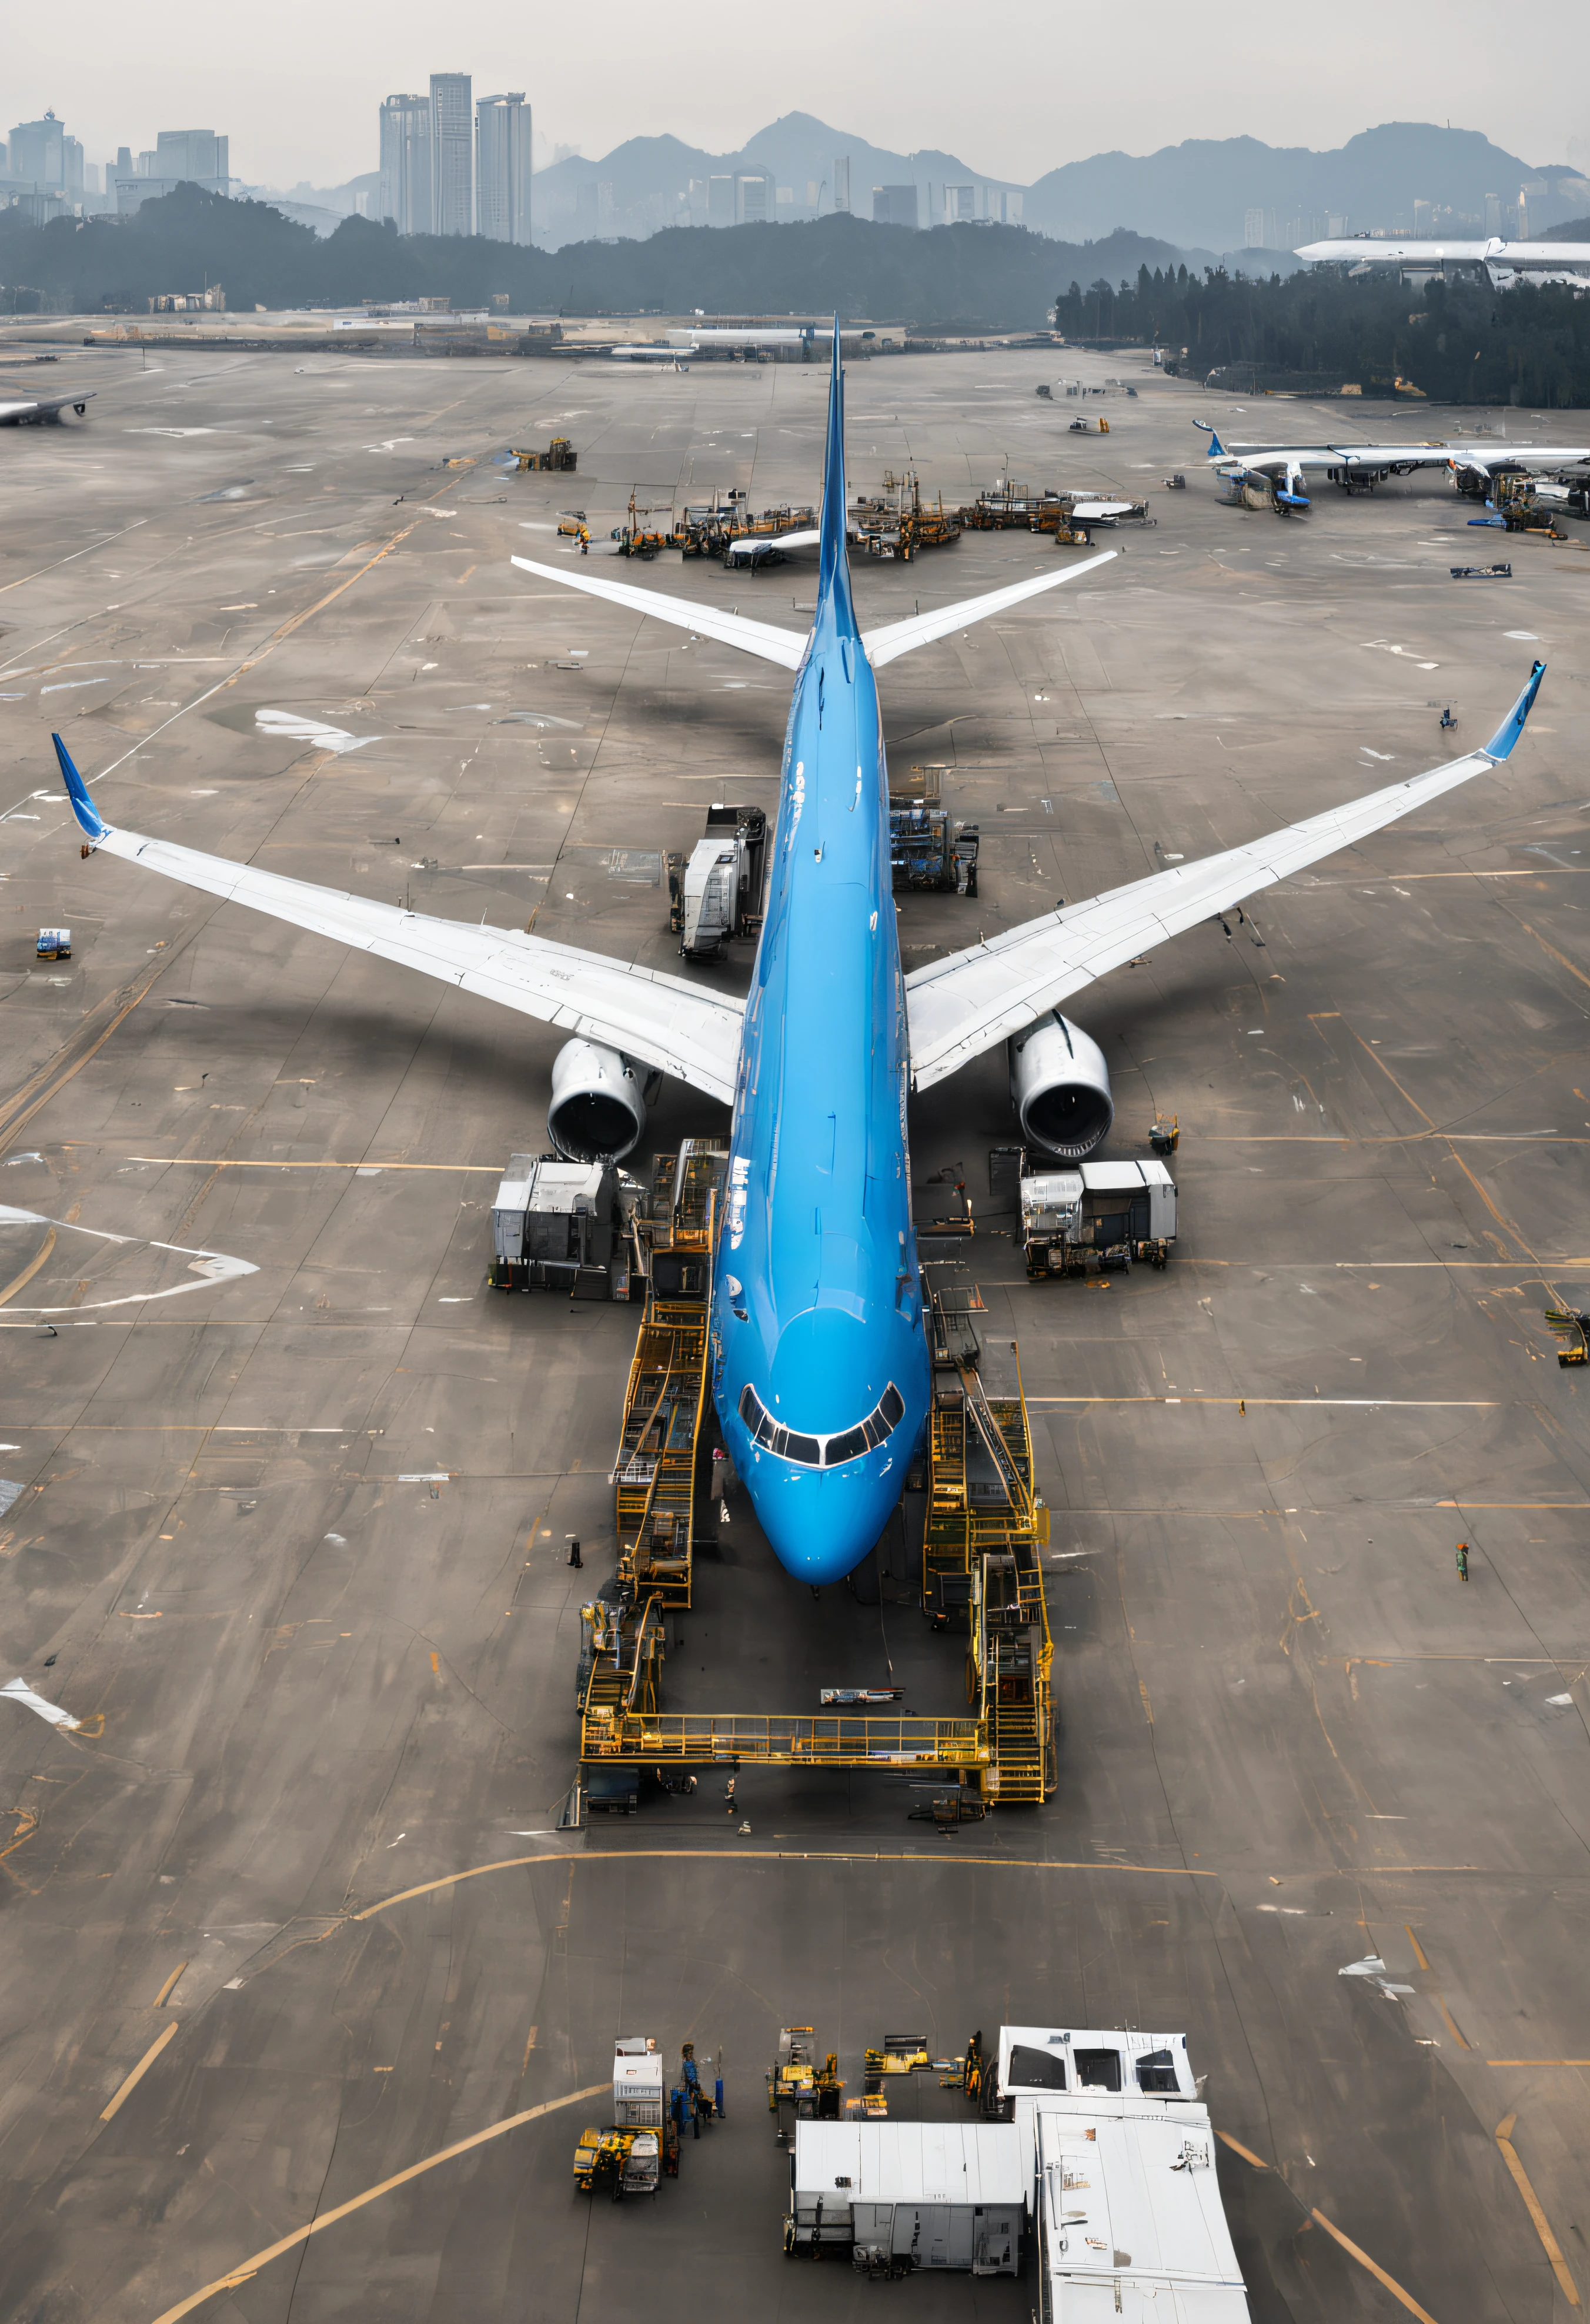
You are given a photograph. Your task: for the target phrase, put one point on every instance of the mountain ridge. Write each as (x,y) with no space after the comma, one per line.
(1197,192)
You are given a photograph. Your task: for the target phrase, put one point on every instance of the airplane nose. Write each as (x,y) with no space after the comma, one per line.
(819,1534)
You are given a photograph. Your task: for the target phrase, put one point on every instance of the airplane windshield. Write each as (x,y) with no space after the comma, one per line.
(822,1451)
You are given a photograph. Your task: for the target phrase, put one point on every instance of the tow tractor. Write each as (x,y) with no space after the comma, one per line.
(629,2156)
(624,2163)
(799,2089)
(560,456)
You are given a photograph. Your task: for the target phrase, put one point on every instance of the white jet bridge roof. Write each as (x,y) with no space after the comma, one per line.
(956,2162)
(1130,2217)
(1081,2060)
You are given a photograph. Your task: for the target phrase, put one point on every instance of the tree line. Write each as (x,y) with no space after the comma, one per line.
(976,277)
(1456,341)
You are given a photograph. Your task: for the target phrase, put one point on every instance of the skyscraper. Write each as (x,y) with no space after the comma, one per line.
(405,163)
(502,168)
(893,206)
(452,149)
(38,152)
(196,156)
(841,183)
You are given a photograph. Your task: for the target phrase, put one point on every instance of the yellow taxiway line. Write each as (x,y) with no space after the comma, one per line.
(252,2266)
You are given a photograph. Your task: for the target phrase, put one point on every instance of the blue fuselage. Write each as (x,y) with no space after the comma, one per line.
(820,1370)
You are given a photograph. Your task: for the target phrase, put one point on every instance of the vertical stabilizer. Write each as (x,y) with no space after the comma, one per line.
(833,572)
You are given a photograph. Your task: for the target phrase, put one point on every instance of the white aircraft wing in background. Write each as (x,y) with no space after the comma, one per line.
(959,1007)
(756,544)
(658,1020)
(22,410)
(1386,459)
(1518,258)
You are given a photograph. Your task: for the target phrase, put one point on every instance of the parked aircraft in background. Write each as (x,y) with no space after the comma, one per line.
(1276,470)
(22,410)
(1505,263)
(820,1370)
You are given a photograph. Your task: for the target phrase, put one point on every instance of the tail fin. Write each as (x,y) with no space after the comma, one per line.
(1217,450)
(89,819)
(833,565)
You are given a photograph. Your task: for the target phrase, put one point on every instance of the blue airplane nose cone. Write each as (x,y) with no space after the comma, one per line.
(819,1527)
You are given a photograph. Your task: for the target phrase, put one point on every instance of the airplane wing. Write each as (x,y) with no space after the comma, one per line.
(748,547)
(760,637)
(886,645)
(783,646)
(15,411)
(1516,456)
(959,1007)
(658,1020)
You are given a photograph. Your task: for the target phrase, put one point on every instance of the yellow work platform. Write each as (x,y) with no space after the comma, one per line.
(665,1402)
(981,1557)
(700,1738)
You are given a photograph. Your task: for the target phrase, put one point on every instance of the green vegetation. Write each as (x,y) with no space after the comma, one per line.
(1456,342)
(977,277)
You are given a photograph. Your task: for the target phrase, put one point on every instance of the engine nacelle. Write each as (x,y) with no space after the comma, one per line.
(1059,1087)
(598,1108)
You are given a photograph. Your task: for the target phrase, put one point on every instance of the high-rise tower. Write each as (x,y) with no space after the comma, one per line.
(452,148)
(502,168)
(405,163)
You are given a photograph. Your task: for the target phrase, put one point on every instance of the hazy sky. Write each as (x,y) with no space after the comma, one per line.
(296,83)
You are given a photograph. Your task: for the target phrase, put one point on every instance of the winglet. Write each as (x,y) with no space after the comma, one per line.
(76,790)
(1500,744)
(832,571)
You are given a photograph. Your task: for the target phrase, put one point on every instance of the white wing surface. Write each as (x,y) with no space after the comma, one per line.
(810,538)
(23,408)
(759,638)
(898,638)
(658,1020)
(959,1007)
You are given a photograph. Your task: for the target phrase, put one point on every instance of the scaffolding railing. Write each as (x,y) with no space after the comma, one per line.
(708,1737)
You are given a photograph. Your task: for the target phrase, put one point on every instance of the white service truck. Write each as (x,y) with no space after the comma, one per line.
(1097,1218)
(715,893)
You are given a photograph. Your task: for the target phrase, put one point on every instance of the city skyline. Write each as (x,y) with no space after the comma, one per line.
(289,126)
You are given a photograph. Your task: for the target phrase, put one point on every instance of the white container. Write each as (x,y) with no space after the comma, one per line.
(637,2084)
(1133,1181)
(943,2195)
(1129,2217)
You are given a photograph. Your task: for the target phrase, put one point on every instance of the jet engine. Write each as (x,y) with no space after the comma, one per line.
(598,1108)
(1059,1087)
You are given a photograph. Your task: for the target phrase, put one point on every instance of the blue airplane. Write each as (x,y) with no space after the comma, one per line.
(820,1365)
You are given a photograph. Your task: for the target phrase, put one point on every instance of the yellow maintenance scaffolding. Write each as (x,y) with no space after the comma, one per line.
(664,1403)
(981,1565)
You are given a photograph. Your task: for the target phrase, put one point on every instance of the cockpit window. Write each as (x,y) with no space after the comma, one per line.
(822,1451)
